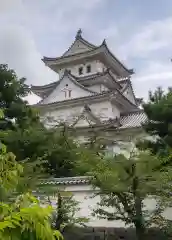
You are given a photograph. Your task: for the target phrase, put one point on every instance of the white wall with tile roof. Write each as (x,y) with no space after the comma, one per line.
(83,193)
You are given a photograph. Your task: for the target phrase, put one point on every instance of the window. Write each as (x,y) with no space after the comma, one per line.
(70,93)
(80,70)
(88,68)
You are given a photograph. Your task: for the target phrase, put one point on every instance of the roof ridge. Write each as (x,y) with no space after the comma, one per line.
(81,39)
(45,85)
(104,44)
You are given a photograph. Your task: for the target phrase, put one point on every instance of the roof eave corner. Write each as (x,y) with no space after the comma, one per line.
(131,71)
(45,60)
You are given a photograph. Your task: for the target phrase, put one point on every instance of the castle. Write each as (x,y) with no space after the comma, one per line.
(94,93)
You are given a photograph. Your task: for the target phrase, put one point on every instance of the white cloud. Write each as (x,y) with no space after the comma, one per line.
(25,24)
(155,74)
(8,5)
(18,49)
(155,35)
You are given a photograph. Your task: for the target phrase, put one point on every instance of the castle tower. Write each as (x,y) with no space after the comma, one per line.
(94,91)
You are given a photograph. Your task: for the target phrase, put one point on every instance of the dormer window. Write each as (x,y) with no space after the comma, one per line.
(88,68)
(80,70)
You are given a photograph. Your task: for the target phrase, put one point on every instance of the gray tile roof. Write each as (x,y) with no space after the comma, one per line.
(133,119)
(66,181)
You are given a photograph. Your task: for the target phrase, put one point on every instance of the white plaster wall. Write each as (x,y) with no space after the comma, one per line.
(103,110)
(57,95)
(96,66)
(129,94)
(65,114)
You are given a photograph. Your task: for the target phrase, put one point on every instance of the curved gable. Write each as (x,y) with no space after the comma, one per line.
(67,88)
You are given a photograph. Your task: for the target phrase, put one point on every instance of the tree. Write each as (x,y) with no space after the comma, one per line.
(125,184)
(159,112)
(55,150)
(17,113)
(65,208)
(22,217)
(24,134)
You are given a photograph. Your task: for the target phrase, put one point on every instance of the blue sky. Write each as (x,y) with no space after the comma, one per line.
(138,32)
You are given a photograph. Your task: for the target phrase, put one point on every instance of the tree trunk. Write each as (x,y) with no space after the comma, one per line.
(59,213)
(140,231)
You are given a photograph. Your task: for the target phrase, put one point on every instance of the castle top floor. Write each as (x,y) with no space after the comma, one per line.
(83,58)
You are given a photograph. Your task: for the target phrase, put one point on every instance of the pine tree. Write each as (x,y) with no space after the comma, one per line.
(159,124)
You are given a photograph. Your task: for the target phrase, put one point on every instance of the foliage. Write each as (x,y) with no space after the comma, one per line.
(159,113)
(125,184)
(22,217)
(25,135)
(56,152)
(65,208)
(17,113)
(26,220)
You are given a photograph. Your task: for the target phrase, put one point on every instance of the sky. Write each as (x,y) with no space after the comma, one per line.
(139,33)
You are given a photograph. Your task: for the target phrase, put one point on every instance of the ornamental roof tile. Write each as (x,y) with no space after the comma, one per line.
(66,181)
(133,119)
(79,38)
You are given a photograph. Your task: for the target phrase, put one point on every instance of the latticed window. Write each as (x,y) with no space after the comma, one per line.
(80,70)
(88,68)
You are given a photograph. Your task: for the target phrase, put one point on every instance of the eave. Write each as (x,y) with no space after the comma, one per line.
(105,78)
(102,52)
(45,90)
(75,101)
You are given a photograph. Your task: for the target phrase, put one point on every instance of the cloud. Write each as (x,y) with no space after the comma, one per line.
(154,74)
(8,5)
(18,49)
(26,26)
(155,35)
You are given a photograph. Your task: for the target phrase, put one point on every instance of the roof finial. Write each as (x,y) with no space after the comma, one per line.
(78,34)
(104,42)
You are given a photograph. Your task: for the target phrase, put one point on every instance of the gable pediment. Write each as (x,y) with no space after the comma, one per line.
(86,118)
(67,88)
(84,121)
(77,47)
